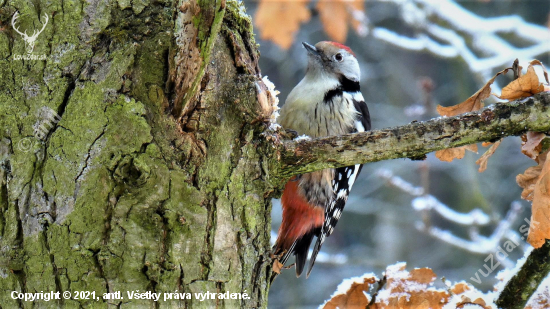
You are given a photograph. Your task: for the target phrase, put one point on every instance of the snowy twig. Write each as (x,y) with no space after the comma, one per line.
(478,244)
(444,28)
(381,284)
(463,26)
(430,202)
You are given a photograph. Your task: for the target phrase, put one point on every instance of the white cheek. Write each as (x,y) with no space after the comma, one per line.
(350,69)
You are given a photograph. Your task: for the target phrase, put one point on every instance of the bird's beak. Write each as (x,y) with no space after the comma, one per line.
(311,49)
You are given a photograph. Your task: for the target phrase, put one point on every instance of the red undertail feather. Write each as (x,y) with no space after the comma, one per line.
(301,221)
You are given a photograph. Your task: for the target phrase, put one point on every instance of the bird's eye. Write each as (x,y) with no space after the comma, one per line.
(338,57)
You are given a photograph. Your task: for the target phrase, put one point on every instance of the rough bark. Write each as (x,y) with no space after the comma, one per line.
(119,195)
(159,174)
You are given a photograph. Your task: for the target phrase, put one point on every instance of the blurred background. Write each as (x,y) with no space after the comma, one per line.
(414,55)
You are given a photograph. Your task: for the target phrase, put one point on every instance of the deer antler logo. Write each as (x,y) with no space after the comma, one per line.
(29,40)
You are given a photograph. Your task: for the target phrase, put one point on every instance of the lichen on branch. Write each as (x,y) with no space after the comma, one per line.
(524,283)
(413,140)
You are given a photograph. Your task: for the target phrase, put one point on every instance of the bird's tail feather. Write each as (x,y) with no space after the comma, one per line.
(302,249)
(315,252)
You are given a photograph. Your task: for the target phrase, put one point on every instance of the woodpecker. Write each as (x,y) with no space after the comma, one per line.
(327,101)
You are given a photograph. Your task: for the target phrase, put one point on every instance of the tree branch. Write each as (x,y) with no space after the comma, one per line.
(416,139)
(525,282)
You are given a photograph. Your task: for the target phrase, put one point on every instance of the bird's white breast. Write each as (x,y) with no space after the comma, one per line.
(306,112)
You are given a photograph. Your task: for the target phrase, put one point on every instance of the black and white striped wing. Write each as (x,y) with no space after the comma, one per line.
(344,178)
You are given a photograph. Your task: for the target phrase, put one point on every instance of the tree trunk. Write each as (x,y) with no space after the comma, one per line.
(134,154)
(149,177)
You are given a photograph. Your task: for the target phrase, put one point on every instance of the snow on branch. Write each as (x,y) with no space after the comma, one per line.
(462,26)
(424,201)
(413,140)
(478,243)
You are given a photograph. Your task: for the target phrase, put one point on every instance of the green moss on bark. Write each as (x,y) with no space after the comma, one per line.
(109,200)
